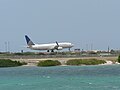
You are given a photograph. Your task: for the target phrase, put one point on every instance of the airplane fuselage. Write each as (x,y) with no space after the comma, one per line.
(50,46)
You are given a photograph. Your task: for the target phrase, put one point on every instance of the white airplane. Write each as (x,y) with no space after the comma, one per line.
(48,47)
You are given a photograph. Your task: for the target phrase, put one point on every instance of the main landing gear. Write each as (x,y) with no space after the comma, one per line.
(49,50)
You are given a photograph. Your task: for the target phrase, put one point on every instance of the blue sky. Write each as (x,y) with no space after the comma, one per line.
(81,22)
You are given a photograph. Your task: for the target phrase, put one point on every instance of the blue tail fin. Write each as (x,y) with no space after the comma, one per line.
(29,42)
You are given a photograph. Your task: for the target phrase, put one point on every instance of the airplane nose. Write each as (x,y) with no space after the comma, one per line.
(72,45)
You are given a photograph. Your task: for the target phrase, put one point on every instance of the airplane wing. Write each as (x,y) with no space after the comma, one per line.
(57,45)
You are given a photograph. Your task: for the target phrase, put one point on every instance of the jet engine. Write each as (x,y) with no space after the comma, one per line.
(59,48)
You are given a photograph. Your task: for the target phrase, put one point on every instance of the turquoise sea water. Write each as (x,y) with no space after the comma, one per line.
(61,78)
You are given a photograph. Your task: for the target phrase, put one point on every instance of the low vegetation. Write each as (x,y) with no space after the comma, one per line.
(48,63)
(10,63)
(85,62)
(119,58)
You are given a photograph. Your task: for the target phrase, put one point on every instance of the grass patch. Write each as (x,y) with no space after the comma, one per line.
(85,62)
(48,63)
(10,63)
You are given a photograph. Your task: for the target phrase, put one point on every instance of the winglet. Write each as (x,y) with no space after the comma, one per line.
(57,43)
(29,42)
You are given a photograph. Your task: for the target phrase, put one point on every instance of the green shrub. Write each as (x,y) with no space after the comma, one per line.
(25,53)
(18,53)
(85,62)
(49,63)
(10,63)
(119,58)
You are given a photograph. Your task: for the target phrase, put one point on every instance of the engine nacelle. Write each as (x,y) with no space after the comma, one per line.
(59,48)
